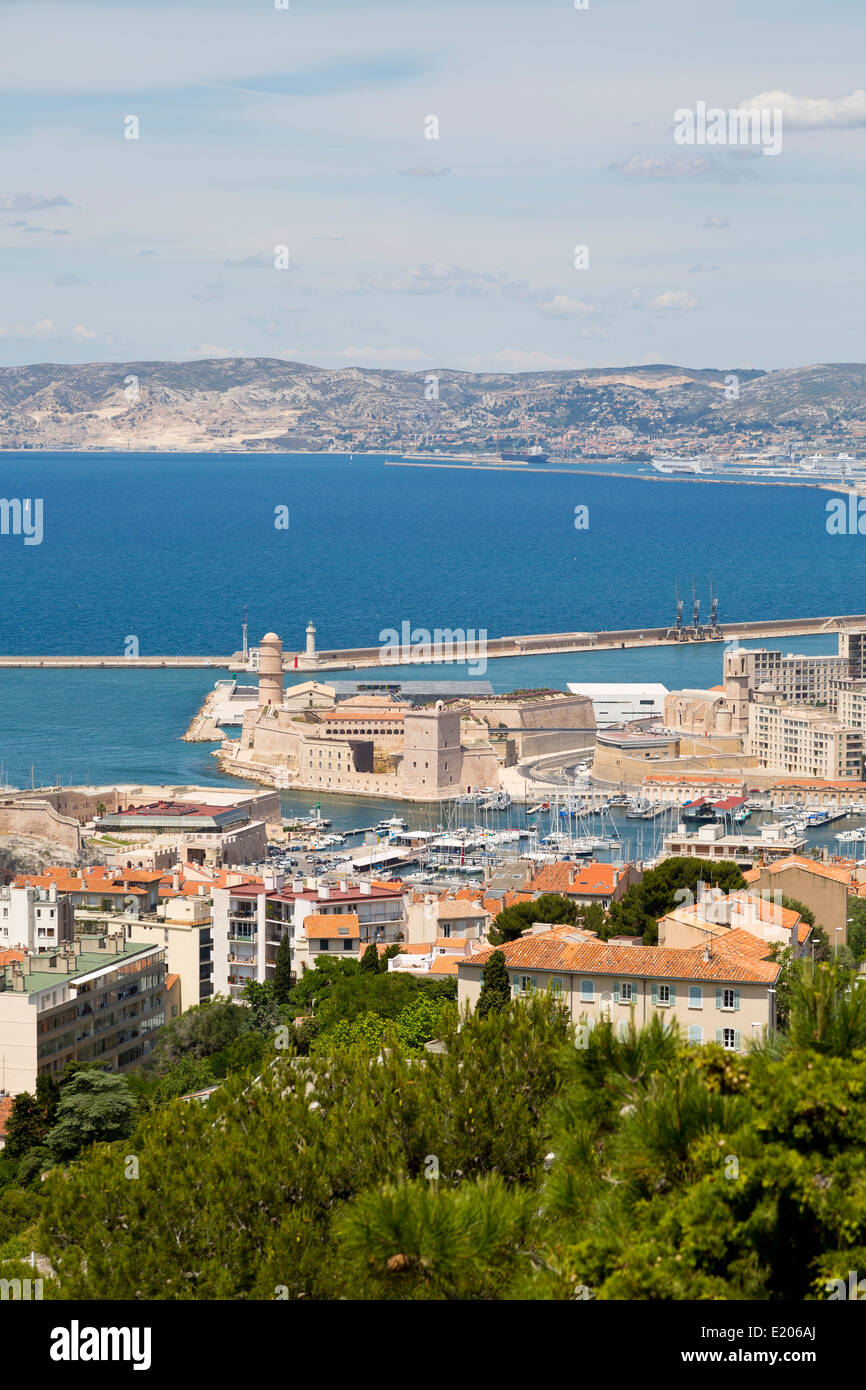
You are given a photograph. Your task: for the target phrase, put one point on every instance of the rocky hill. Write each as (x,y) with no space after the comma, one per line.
(265,403)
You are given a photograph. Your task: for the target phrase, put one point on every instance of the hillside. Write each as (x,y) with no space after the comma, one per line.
(265,403)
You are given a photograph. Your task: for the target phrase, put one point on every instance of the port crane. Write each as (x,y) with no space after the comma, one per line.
(676,634)
(697,632)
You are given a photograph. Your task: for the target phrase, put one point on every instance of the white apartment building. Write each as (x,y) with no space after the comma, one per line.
(250,920)
(99,999)
(34,919)
(803,741)
(802,680)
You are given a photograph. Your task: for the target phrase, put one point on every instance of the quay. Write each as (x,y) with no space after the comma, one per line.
(537,644)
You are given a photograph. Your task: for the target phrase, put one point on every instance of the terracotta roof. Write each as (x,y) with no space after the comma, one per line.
(407,948)
(457,943)
(93,883)
(5,1114)
(444,965)
(171,981)
(549,952)
(449,909)
(742,943)
(322,924)
(7,957)
(811,866)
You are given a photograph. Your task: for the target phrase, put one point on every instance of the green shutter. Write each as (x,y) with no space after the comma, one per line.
(655,994)
(719,998)
(616,991)
(737,1041)
(736,998)
(534,984)
(673,994)
(719,1038)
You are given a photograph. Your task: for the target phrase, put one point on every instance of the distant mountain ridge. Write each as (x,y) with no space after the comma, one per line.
(268,403)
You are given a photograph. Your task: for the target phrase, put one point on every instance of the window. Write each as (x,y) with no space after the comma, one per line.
(696,1033)
(524,984)
(664,994)
(696,999)
(624,992)
(727,999)
(587,991)
(729,1038)
(556,984)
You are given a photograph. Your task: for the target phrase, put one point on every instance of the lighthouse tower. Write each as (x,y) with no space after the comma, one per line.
(311,640)
(270,671)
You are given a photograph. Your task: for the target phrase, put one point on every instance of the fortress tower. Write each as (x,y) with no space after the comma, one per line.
(270,671)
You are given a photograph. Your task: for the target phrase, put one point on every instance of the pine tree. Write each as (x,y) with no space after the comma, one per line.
(283,971)
(495,986)
(370,959)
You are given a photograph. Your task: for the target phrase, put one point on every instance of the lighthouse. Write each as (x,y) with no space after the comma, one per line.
(311,640)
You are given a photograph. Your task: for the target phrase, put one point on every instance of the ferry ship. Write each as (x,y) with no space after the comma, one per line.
(533,455)
(666,463)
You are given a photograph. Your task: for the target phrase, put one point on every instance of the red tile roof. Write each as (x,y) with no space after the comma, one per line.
(549,952)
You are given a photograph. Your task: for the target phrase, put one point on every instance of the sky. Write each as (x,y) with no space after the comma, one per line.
(404,183)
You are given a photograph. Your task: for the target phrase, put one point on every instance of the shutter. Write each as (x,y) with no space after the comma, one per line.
(719,998)
(672,994)
(736,998)
(616,991)
(719,1038)
(737,1041)
(655,994)
(534,984)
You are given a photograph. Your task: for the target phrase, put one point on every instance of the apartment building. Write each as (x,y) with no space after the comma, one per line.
(800,740)
(715,996)
(183,930)
(823,888)
(430,917)
(100,999)
(34,919)
(754,920)
(802,680)
(250,920)
(132,892)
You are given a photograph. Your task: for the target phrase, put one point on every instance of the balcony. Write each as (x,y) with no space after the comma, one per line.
(251,937)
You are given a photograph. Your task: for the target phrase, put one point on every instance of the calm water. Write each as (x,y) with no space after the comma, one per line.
(167,548)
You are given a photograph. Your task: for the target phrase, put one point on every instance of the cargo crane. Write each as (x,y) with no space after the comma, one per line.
(714,630)
(676,634)
(697,631)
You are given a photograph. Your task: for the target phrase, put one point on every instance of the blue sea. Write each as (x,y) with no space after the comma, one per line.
(168,548)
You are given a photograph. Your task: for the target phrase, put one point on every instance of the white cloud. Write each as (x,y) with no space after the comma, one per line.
(674,299)
(437,278)
(715,223)
(813,113)
(79,331)
(650,168)
(31,202)
(43,328)
(561,307)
